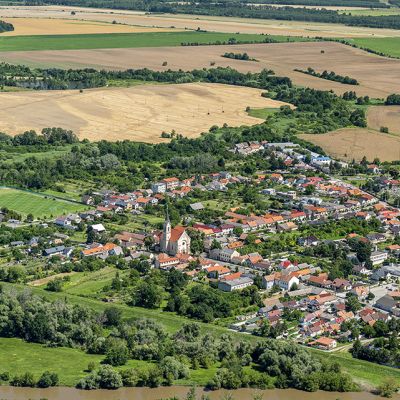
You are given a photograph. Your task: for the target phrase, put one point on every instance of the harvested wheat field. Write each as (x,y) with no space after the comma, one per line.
(209,23)
(355,143)
(139,113)
(47,26)
(388,116)
(378,76)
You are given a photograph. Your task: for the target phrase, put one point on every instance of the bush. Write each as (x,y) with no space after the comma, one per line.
(48,379)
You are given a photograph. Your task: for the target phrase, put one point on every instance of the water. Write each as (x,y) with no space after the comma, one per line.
(65,393)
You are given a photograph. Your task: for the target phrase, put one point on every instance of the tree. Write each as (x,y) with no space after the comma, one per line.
(117,352)
(108,378)
(352,303)
(113,316)
(147,295)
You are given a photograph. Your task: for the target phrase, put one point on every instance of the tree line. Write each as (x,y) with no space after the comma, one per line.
(330,76)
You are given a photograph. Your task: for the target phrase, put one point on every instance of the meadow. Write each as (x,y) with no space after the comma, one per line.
(21,356)
(39,206)
(117,40)
(387,45)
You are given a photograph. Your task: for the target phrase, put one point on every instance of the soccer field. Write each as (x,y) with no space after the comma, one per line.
(39,206)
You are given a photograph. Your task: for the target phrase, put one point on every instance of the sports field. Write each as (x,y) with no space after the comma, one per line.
(39,206)
(138,113)
(117,40)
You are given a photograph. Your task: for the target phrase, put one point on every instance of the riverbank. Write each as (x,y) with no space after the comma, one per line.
(140,393)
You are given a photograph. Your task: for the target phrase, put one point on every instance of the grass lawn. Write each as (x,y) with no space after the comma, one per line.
(119,40)
(17,357)
(262,113)
(90,283)
(388,45)
(38,205)
(363,372)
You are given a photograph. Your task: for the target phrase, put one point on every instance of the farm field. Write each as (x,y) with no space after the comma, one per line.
(209,23)
(389,46)
(139,113)
(48,26)
(378,76)
(388,116)
(354,143)
(29,203)
(115,40)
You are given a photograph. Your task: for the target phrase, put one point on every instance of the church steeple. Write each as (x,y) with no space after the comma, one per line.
(166,236)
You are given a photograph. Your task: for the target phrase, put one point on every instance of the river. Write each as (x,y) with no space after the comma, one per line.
(66,393)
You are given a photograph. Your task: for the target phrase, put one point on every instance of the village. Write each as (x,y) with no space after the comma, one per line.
(302,300)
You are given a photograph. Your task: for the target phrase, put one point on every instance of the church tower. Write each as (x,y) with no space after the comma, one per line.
(166,237)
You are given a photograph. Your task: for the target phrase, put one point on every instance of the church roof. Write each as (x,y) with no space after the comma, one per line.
(176,233)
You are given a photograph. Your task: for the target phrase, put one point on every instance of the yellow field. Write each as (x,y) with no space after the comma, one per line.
(210,23)
(139,113)
(355,143)
(388,116)
(48,26)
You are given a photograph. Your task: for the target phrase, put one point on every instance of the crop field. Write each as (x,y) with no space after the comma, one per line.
(30,203)
(389,45)
(388,116)
(352,143)
(48,26)
(115,40)
(378,76)
(139,113)
(209,23)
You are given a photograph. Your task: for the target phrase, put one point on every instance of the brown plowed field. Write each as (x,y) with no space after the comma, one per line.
(139,113)
(388,116)
(353,143)
(210,23)
(378,76)
(48,26)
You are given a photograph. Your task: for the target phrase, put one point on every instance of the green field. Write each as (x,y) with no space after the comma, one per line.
(262,113)
(29,203)
(366,373)
(388,45)
(121,40)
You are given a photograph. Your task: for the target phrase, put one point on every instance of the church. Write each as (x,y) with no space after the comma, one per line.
(174,240)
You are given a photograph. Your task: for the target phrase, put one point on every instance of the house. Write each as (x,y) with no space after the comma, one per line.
(341,285)
(324,343)
(217,271)
(308,241)
(287,227)
(378,257)
(102,251)
(164,261)
(98,228)
(171,183)
(159,187)
(388,303)
(285,282)
(54,251)
(224,255)
(235,284)
(197,206)
(87,199)
(63,221)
